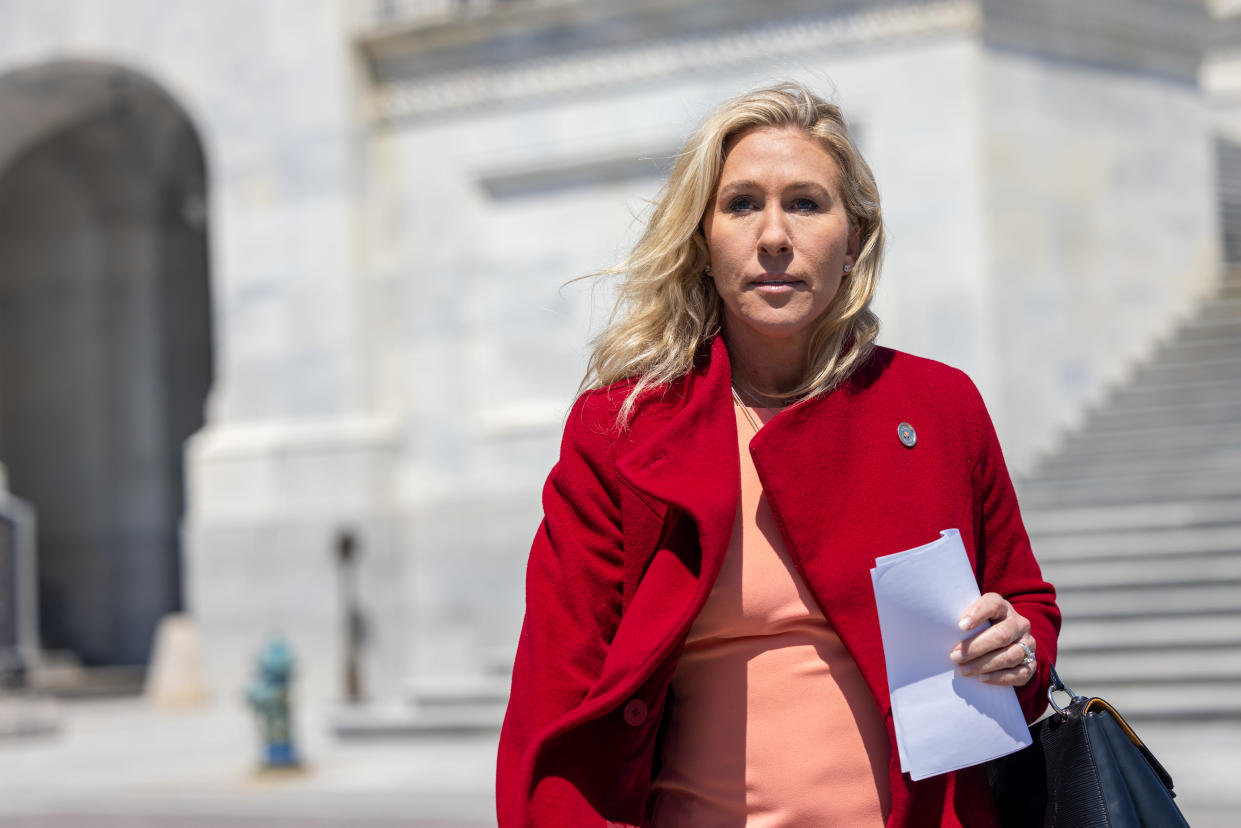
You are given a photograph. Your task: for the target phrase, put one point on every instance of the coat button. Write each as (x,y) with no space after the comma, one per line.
(635,712)
(907,435)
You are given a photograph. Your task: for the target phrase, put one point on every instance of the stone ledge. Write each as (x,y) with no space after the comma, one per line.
(374,721)
(236,440)
(23,717)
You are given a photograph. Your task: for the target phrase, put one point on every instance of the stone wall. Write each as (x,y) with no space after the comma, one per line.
(294,448)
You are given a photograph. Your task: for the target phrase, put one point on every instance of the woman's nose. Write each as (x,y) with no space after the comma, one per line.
(773,237)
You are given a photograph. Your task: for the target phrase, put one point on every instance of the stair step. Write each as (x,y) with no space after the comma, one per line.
(1159,439)
(1168,372)
(1220,309)
(1186,413)
(1130,488)
(1177,545)
(1108,493)
(1222,597)
(1174,396)
(375,722)
(1084,671)
(460,697)
(1145,462)
(1097,575)
(1215,329)
(1180,350)
(1145,456)
(1144,630)
(1149,702)
(1172,514)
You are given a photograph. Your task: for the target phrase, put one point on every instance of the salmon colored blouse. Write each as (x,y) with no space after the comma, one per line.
(769,722)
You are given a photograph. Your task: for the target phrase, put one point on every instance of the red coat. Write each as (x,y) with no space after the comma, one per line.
(635,530)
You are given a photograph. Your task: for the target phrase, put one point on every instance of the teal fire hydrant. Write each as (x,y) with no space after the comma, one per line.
(269,696)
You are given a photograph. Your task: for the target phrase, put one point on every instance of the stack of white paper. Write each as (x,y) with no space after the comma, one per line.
(943,721)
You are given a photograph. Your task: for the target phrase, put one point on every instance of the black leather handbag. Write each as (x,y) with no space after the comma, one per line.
(1086,768)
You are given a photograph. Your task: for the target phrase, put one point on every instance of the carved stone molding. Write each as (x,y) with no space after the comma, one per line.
(408,95)
(483,53)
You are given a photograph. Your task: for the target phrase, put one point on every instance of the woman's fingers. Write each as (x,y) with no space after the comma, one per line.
(987,607)
(1007,627)
(1012,677)
(1008,657)
(996,654)
(995,638)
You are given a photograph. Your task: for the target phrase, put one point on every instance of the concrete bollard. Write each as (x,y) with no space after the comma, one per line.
(177,676)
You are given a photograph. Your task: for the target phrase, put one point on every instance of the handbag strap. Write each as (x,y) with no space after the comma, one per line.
(1058,686)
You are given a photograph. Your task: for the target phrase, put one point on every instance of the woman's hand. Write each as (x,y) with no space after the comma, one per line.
(995,655)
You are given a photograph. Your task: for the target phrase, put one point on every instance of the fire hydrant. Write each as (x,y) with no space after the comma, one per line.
(269,696)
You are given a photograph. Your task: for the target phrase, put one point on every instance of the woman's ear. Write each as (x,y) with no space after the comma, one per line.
(855,242)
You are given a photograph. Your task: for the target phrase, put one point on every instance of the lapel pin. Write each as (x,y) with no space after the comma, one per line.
(907,435)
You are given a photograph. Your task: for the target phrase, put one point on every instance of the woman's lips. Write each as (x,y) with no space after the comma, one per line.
(769,283)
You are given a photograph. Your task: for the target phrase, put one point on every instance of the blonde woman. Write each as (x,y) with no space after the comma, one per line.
(701,645)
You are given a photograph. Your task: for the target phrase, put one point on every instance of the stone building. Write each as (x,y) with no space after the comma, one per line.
(271,271)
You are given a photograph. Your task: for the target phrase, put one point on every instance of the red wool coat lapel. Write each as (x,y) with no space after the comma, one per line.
(679,463)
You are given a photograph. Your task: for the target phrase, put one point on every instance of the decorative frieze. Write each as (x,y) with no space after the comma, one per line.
(436,57)
(557,74)
(375,15)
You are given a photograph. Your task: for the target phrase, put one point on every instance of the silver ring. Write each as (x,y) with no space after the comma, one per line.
(1029,659)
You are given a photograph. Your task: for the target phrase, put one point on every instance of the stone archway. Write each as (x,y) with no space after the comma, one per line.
(105,343)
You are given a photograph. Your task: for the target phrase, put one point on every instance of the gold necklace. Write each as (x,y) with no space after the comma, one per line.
(749,415)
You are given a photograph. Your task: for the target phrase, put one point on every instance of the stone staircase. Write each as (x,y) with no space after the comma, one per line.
(445,706)
(1136,519)
(1228,168)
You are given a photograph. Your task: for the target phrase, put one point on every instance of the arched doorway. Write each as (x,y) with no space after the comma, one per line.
(105,343)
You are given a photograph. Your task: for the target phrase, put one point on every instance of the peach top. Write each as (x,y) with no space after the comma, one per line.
(769,722)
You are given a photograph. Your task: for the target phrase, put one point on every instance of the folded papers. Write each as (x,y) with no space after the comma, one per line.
(944,721)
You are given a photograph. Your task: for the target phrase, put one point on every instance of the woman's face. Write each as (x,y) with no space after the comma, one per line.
(777,234)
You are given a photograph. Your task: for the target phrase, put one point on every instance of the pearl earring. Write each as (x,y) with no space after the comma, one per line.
(707,270)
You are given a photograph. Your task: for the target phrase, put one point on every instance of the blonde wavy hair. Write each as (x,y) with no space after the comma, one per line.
(666,308)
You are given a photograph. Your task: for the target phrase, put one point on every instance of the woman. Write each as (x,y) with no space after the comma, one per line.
(701,645)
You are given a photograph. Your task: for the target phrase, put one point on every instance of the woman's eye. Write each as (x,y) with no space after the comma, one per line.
(741,204)
(804,205)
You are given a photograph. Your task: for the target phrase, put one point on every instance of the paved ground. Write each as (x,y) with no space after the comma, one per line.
(118,764)
(219,821)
